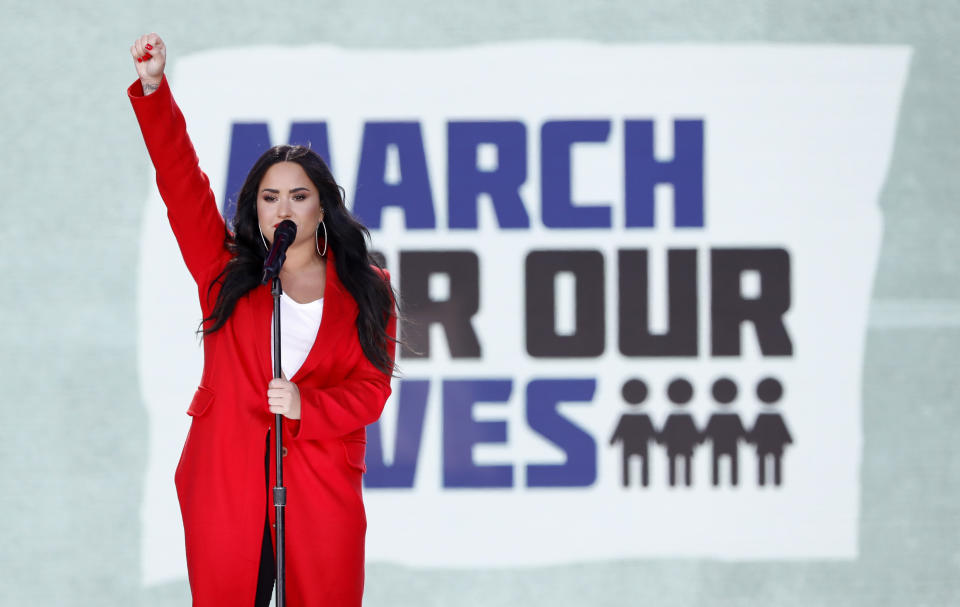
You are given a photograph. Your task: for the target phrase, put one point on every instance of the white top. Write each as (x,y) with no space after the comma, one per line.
(299,323)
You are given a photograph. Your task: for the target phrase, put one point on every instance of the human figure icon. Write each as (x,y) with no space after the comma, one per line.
(679,433)
(635,430)
(769,434)
(725,430)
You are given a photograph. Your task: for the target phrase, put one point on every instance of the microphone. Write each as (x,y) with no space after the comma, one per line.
(283,237)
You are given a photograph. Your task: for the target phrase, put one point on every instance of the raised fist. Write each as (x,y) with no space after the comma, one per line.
(149,57)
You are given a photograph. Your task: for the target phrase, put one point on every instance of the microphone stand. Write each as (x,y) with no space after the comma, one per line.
(279,491)
(283,235)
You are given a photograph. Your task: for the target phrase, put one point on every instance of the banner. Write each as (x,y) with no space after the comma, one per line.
(636,277)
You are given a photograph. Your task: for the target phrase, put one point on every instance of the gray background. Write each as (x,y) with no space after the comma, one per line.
(74,175)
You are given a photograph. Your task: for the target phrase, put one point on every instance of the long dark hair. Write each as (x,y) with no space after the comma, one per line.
(346,237)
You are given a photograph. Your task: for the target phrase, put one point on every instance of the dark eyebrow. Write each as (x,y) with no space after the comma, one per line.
(272,191)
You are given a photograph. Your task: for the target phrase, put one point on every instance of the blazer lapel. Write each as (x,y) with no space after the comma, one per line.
(337,327)
(263,315)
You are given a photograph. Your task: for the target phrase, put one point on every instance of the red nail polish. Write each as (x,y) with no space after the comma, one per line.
(139,59)
(149,47)
(147,56)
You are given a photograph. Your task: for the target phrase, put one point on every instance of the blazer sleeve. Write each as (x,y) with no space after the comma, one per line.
(191,207)
(352,404)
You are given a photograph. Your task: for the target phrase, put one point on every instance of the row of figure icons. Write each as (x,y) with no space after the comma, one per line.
(680,434)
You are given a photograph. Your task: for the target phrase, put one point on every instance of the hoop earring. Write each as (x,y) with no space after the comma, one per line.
(263,239)
(316,238)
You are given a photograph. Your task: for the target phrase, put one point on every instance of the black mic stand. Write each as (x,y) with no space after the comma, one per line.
(279,491)
(283,236)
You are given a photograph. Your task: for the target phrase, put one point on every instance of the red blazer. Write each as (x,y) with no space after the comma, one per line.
(220,478)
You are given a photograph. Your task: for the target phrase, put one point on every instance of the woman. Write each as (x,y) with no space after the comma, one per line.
(339,368)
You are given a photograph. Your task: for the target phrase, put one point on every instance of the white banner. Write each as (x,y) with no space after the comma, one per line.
(640,254)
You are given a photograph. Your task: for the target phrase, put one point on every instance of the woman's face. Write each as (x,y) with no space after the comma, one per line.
(286,192)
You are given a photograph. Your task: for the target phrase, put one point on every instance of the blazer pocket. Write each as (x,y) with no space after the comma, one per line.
(354,451)
(201,402)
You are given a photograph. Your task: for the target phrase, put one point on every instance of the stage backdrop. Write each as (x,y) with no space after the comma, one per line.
(636,306)
(681,288)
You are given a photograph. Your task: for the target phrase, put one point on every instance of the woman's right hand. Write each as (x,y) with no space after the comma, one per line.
(149,57)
